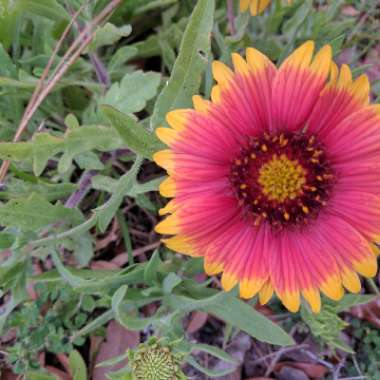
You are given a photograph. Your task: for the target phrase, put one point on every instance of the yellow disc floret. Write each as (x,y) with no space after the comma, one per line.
(281,178)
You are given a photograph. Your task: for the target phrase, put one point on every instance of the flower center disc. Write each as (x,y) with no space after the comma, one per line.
(281,178)
(284,179)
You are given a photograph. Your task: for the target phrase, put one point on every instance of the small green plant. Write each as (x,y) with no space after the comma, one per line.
(367,350)
(46,324)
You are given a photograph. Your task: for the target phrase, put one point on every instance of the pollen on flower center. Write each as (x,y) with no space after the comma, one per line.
(282,178)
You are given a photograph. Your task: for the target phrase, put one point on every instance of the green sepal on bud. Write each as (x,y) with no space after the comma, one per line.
(155,360)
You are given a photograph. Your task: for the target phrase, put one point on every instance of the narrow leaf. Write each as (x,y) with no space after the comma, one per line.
(350,300)
(235,312)
(209,372)
(190,64)
(150,273)
(215,351)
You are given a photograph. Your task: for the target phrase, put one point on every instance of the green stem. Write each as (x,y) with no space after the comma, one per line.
(127,238)
(73,231)
(373,286)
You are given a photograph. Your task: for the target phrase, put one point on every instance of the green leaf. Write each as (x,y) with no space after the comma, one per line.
(35,212)
(153,4)
(137,138)
(16,274)
(120,57)
(327,325)
(6,240)
(82,246)
(7,67)
(133,91)
(105,183)
(170,282)
(65,273)
(113,361)
(74,142)
(190,64)
(46,8)
(236,312)
(209,372)
(111,281)
(124,317)
(109,34)
(94,325)
(77,366)
(214,351)
(39,375)
(17,188)
(121,374)
(11,12)
(106,212)
(350,300)
(89,161)
(150,272)
(71,121)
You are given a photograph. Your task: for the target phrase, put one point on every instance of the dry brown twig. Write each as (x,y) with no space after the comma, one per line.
(44,85)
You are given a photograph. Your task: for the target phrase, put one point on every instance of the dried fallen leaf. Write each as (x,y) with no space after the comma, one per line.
(57,372)
(118,340)
(101,264)
(109,238)
(237,349)
(349,10)
(64,360)
(289,373)
(314,371)
(369,312)
(8,375)
(197,321)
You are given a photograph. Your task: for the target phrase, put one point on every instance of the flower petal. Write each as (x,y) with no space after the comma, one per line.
(297,86)
(340,98)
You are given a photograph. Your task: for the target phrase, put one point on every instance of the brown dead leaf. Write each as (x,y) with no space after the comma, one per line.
(110,237)
(349,10)
(118,340)
(101,264)
(57,372)
(314,371)
(236,375)
(369,312)
(237,349)
(197,321)
(289,373)
(372,58)
(64,360)
(95,343)
(8,375)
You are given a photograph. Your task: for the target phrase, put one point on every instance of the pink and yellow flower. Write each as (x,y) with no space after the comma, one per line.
(256,6)
(275,181)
